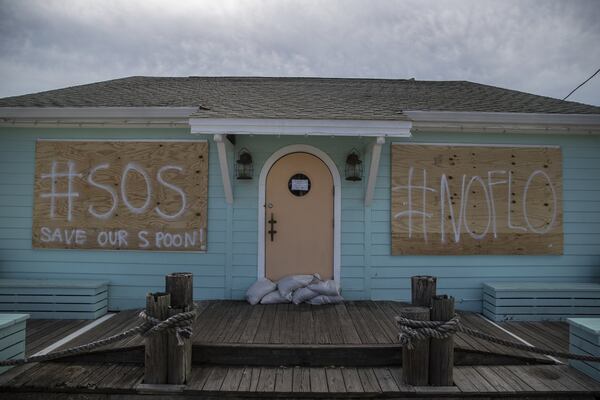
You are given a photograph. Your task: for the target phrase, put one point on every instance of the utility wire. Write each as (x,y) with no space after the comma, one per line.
(583,83)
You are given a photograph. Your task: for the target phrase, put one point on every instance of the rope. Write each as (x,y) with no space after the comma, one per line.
(180,324)
(413,330)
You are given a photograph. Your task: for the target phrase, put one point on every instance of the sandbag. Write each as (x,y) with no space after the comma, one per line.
(303,294)
(327,288)
(259,289)
(274,298)
(290,283)
(322,299)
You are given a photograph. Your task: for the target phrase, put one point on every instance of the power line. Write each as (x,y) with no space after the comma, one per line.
(583,83)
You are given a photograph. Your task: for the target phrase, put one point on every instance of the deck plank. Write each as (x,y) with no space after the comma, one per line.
(295,326)
(334,327)
(537,384)
(478,381)
(352,380)
(263,333)
(347,328)
(198,377)
(368,380)
(374,325)
(335,380)
(284,380)
(249,332)
(232,380)
(215,379)
(249,380)
(203,322)
(514,380)
(386,381)
(362,328)
(388,325)
(307,324)
(463,383)
(266,381)
(495,379)
(231,323)
(300,380)
(397,375)
(322,326)
(278,317)
(318,380)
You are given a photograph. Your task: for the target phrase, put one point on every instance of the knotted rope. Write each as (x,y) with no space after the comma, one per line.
(413,330)
(180,324)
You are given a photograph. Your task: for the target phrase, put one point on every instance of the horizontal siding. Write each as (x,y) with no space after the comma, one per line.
(462,276)
(229,267)
(131,274)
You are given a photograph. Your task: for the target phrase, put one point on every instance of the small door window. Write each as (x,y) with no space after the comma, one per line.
(299,185)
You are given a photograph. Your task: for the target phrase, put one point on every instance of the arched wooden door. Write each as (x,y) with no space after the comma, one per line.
(299,217)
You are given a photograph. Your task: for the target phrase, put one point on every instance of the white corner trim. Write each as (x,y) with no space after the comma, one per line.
(317,127)
(337,204)
(459,121)
(220,140)
(373,169)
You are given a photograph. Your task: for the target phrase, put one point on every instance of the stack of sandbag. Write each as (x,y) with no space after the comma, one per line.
(294,289)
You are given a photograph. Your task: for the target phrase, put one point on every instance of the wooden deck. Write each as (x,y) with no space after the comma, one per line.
(547,334)
(348,350)
(43,332)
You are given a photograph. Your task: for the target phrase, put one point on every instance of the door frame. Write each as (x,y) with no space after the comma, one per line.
(337,203)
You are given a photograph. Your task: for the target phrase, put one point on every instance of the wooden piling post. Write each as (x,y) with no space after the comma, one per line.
(423,288)
(441,352)
(415,362)
(157,346)
(180,286)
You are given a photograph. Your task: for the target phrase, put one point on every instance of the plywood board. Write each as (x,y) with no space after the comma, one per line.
(451,199)
(121,195)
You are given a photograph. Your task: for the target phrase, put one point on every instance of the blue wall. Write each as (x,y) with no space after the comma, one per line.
(229,266)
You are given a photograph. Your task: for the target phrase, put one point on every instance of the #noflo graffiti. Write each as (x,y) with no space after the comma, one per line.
(457,219)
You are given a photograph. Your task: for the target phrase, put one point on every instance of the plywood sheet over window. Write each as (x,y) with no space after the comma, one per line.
(121,195)
(452,199)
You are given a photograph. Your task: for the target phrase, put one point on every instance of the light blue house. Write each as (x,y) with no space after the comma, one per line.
(321,189)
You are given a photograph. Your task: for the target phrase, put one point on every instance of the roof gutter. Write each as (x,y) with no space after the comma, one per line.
(96,116)
(528,123)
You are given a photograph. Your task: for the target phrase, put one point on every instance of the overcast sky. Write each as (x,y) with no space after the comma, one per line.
(541,47)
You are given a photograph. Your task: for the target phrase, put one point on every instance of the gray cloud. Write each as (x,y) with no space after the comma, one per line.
(542,47)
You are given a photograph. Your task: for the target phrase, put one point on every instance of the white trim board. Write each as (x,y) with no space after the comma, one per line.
(474,145)
(58,113)
(503,117)
(223,145)
(337,204)
(96,117)
(123,140)
(313,127)
(373,169)
(491,122)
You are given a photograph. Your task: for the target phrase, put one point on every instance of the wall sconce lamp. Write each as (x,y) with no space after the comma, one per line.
(354,168)
(243,165)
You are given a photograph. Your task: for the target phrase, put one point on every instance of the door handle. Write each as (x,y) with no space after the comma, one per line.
(272,231)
